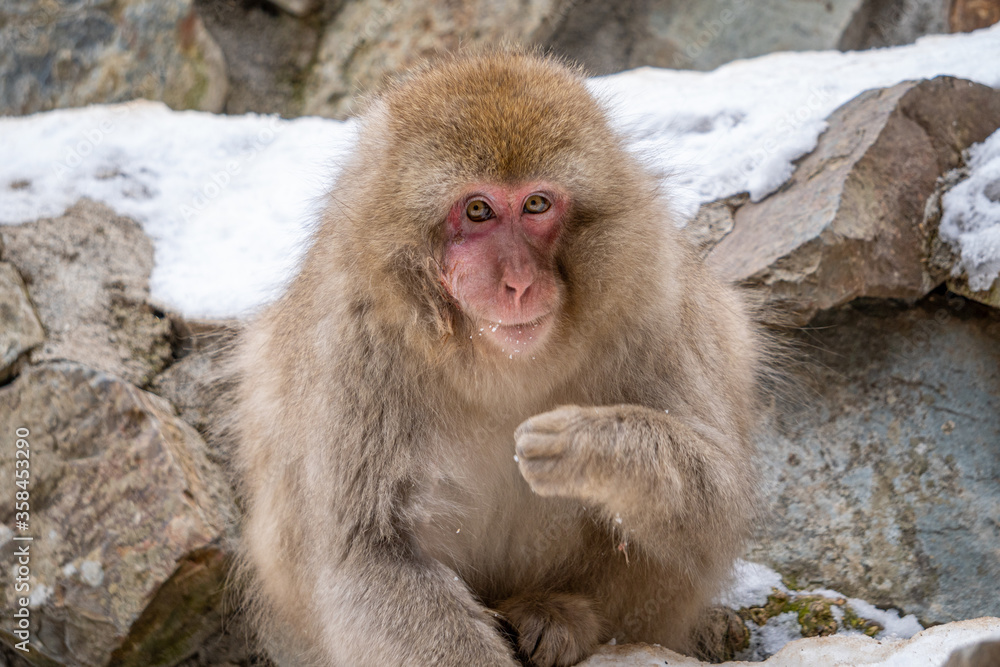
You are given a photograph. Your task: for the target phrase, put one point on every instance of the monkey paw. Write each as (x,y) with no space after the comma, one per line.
(563,452)
(553,628)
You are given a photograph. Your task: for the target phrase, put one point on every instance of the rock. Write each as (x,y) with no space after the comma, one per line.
(87,273)
(879,24)
(20,329)
(881,467)
(610,37)
(129,520)
(968,15)
(983,654)
(713,222)
(929,647)
(990,297)
(72,54)
(198,384)
(370,39)
(848,223)
(267,72)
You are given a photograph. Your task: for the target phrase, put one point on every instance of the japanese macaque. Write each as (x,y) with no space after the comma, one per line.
(502,415)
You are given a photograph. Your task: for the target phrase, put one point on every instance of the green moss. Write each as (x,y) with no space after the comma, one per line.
(852,621)
(814,612)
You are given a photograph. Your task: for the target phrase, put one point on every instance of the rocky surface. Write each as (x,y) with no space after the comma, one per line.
(267,73)
(20,330)
(930,647)
(966,15)
(370,39)
(882,470)
(308,56)
(850,220)
(87,273)
(129,520)
(197,385)
(72,54)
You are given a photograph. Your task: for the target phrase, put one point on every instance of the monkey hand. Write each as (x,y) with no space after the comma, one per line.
(574,452)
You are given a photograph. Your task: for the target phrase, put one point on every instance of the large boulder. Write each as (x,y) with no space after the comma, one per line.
(129,521)
(87,273)
(881,466)
(370,39)
(850,222)
(67,54)
(20,330)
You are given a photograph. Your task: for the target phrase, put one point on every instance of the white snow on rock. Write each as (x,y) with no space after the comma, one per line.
(752,583)
(929,648)
(970,220)
(229,201)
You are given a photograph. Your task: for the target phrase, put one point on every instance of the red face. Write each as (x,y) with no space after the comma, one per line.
(499,261)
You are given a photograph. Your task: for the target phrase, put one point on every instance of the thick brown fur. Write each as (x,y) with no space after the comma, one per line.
(387,520)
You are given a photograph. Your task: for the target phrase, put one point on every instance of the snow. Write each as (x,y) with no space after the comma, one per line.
(229,201)
(970,221)
(929,648)
(752,583)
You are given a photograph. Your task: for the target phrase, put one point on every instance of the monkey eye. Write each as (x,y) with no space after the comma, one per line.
(478,211)
(536,204)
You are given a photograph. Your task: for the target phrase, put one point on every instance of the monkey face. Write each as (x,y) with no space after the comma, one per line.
(499,263)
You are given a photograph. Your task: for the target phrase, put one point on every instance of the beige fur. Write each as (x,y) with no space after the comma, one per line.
(387,521)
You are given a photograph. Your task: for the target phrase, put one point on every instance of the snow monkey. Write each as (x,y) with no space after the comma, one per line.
(502,415)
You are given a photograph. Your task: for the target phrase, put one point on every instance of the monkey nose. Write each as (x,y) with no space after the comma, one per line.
(515,288)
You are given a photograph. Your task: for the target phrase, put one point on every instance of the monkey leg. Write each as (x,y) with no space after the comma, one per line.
(553,629)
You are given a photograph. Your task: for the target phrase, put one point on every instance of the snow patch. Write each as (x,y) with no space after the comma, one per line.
(970,220)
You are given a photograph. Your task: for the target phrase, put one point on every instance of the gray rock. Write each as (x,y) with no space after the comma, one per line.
(87,273)
(609,37)
(370,39)
(267,70)
(882,476)
(199,384)
(69,54)
(20,329)
(129,520)
(932,646)
(878,23)
(983,654)
(850,220)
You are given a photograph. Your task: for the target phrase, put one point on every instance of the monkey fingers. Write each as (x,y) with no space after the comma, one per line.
(557,452)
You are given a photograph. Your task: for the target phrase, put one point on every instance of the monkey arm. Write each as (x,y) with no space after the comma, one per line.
(383,607)
(677,489)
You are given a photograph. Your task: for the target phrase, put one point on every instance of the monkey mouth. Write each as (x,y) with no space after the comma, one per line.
(517,339)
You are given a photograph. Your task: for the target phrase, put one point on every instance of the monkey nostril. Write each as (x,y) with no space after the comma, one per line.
(516,291)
